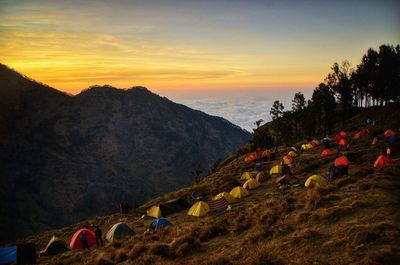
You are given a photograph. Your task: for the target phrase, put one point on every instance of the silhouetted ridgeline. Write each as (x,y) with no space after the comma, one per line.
(64,158)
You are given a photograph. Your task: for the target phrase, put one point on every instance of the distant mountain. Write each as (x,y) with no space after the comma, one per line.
(65,158)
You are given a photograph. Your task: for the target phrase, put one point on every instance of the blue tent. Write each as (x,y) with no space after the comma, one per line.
(160,222)
(8,254)
(393,138)
(326,142)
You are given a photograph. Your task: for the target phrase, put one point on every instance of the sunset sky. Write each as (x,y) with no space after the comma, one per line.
(183,45)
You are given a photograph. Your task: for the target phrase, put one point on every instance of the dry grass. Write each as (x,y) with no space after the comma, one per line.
(352,220)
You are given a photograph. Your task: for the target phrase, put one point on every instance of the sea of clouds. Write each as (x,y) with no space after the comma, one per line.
(242,108)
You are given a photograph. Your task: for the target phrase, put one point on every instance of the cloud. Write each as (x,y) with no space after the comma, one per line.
(242,108)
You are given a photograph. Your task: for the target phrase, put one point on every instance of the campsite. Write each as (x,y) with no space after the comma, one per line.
(348,220)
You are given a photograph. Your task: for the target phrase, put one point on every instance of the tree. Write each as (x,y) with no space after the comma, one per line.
(298,102)
(338,81)
(276,110)
(324,105)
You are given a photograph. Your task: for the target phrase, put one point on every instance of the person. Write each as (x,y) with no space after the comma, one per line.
(99,236)
(84,240)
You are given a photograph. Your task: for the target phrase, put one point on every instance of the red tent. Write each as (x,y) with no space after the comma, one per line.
(326,152)
(374,141)
(382,161)
(250,157)
(313,143)
(265,153)
(389,133)
(340,135)
(77,244)
(342,161)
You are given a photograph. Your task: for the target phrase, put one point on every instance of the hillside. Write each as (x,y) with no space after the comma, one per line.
(352,220)
(67,158)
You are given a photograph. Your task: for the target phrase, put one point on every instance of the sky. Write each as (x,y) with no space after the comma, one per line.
(175,46)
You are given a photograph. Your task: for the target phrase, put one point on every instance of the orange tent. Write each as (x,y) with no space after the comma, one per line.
(389,133)
(342,141)
(76,242)
(382,161)
(342,162)
(326,152)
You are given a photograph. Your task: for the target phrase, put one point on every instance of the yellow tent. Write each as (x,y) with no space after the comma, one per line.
(154,212)
(246,176)
(318,179)
(226,195)
(251,184)
(239,192)
(287,160)
(200,208)
(306,146)
(276,170)
(292,154)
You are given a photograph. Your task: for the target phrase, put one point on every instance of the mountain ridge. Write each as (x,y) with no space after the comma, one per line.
(110,144)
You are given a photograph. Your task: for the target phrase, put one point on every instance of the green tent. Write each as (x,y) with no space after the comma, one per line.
(119,231)
(54,247)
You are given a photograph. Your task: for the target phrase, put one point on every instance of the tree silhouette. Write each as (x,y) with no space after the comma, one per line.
(276,110)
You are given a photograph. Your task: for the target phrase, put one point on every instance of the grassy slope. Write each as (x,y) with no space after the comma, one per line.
(350,221)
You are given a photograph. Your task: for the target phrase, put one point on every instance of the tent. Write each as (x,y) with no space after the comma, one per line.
(76,243)
(118,231)
(155,212)
(173,206)
(287,159)
(159,223)
(239,192)
(276,170)
(220,204)
(318,179)
(340,135)
(8,254)
(200,208)
(326,142)
(251,184)
(228,197)
(389,133)
(306,146)
(393,138)
(281,180)
(313,144)
(293,148)
(326,152)
(361,133)
(342,141)
(382,161)
(250,157)
(54,247)
(246,176)
(265,153)
(374,141)
(292,154)
(261,176)
(342,162)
